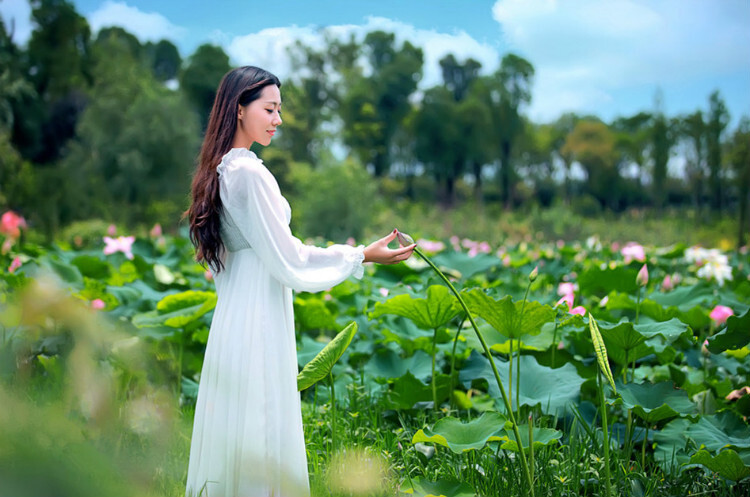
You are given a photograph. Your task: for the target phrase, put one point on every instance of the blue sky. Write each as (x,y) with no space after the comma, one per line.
(602,57)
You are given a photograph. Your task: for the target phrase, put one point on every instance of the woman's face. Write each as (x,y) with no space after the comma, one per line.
(257,121)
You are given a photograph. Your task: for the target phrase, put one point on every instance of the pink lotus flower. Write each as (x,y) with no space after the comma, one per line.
(98,304)
(667,285)
(351,241)
(430,245)
(456,243)
(603,302)
(566,288)
(155,231)
(383,291)
(11,224)
(120,244)
(633,251)
(579,309)
(208,275)
(720,314)
(641,279)
(567,299)
(15,264)
(111,230)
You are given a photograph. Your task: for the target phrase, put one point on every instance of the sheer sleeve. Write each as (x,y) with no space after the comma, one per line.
(252,198)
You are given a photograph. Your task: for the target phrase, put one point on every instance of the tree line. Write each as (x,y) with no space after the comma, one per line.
(104,126)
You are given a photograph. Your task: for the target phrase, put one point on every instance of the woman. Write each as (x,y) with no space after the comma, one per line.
(247,435)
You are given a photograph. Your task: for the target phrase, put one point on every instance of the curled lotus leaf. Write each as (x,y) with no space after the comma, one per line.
(601,351)
(321,364)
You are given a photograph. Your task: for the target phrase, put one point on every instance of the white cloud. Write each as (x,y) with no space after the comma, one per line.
(267,48)
(146,26)
(586,51)
(16,16)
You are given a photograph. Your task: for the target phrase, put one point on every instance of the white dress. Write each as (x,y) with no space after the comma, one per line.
(248,439)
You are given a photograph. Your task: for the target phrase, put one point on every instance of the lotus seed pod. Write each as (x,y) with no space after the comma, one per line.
(404,239)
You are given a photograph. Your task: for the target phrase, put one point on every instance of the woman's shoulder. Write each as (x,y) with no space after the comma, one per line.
(241,161)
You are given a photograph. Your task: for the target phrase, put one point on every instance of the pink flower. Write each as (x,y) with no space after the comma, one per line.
(351,241)
(456,243)
(111,230)
(580,310)
(604,301)
(720,314)
(567,299)
(566,288)
(11,224)
(383,291)
(641,279)
(430,245)
(484,247)
(98,304)
(14,265)
(120,244)
(633,251)
(155,231)
(667,285)
(208,275)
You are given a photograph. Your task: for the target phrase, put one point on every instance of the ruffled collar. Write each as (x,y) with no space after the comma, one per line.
(233,154)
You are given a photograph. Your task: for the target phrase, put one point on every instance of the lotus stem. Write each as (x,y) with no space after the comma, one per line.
(434,387)
(487,351)
(605,431)
(531,445)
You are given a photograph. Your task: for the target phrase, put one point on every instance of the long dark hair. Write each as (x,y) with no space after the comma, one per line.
(239,86)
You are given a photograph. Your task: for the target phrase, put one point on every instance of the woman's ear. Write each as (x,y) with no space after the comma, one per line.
(240,112)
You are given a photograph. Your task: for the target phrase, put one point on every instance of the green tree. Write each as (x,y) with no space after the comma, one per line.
(592,144)
(164,59)
(439,142)
(60,68)
(201,77)
(136,145)
(739,158)
(506,93)
(375,106)
(564,125)
(661,143)
(309,101)
(718,119)
(692,129)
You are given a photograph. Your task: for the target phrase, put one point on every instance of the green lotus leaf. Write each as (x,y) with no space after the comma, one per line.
(552,389)
(695,317)
(717,431)
(734,336)
(596,281)
(727,463)
(505,315)
(177,310)
(465,265)
(321,365)
(628,341)
(418,487)
(461,437)
(542,437)
(312,314)
(408,390)
(92,266)
(389,364)
(670,444)
(435,311)
(655,402)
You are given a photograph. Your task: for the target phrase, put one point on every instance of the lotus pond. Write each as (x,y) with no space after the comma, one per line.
(579,369)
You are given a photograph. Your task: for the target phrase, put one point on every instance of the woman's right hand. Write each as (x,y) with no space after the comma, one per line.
(379,252)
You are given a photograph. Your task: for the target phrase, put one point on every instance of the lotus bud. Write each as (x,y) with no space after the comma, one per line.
(642,278)
(404,239)
(534,273)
